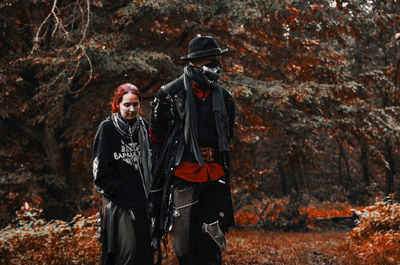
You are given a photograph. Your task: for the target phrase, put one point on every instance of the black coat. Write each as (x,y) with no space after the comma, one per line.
(167,154)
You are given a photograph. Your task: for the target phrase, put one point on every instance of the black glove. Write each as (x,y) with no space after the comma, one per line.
(161,106)
(161,109)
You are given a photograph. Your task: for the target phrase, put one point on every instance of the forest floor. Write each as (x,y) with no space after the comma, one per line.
(250,246)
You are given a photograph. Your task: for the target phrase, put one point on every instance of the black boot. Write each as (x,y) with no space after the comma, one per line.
(186,260)
(211,260)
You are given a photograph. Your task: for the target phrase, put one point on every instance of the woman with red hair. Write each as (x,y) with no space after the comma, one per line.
(122,175)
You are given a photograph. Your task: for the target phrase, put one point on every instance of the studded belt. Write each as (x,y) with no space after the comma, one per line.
(208,154)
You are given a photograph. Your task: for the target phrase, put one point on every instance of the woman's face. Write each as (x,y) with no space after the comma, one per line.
(129,106)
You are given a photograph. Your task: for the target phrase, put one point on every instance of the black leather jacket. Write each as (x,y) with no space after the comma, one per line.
(169,126)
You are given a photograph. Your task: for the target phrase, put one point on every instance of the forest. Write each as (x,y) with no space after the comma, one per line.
(316,85)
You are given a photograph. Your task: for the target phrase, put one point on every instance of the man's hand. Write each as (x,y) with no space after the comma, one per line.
(161,106)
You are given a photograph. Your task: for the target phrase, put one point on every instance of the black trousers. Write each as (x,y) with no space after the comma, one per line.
(198,212)
(130,239)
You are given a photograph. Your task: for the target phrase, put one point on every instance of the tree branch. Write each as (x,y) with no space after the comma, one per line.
(152,83)
(27,14)
(36,38)
(7,45)
(31,132)
(66,75)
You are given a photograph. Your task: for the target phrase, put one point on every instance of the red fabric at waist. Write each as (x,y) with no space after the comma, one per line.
(193,172)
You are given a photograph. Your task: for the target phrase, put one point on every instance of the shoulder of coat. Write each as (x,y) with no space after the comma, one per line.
(174,86)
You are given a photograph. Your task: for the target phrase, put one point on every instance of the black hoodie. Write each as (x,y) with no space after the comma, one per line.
(116,167)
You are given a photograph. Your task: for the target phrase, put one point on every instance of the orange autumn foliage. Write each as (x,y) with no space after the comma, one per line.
(268,210)
(376,239)
(32,240)
(245,218)
(260,210)
(326,209)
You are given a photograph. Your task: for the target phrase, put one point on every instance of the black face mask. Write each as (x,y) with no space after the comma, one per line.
(209,73)
(212,71)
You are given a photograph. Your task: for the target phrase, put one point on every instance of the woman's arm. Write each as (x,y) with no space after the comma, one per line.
(105,181)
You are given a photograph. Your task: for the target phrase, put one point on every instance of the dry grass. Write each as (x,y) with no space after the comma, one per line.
(265,248)
(260,247)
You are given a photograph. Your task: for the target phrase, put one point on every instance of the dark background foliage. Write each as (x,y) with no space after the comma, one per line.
(316,86)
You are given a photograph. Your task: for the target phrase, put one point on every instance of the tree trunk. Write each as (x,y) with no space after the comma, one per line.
(303,174)
(340,174)
(58,157)
(396,65)
(364,163)
(346,163)
(55,200)
(283,179)
(294,181)
(391,169)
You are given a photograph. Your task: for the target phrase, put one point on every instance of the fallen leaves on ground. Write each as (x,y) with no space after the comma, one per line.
(259,247)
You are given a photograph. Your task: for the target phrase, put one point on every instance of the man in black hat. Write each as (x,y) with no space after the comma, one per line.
(191,124)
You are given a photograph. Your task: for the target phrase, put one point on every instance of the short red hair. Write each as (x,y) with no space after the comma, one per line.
(120,92)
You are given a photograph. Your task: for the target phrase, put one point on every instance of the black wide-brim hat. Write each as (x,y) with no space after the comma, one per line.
(203,47)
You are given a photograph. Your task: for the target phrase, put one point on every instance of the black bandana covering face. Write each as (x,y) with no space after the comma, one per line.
(212,72)
(208,74)
(218,108)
